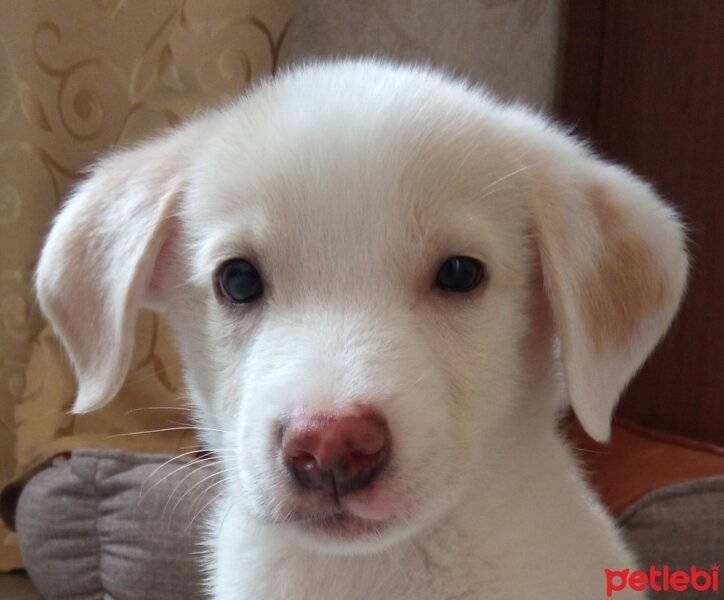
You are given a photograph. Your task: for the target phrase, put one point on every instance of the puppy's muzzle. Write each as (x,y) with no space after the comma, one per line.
(338,453)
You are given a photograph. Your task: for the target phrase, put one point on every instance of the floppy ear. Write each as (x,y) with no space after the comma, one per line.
(614,265)
(100,258)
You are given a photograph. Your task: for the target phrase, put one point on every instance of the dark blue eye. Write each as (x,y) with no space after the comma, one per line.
(239,281)
(460,274)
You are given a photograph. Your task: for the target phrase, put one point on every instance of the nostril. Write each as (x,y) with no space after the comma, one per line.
(305,460)
(359,468)
(305,456)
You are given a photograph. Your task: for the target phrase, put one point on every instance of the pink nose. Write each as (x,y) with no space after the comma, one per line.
(337,453)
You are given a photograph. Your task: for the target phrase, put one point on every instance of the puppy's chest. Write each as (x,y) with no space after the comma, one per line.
(370,580)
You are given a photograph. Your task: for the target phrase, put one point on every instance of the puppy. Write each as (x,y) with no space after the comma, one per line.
(385,288)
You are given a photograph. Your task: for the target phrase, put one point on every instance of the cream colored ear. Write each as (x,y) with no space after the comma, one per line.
(615,267)
(99,259)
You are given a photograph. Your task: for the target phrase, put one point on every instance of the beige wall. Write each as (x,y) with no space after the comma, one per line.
(509,45)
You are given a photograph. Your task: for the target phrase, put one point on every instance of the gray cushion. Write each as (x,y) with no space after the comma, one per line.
(86,530)
(679,526)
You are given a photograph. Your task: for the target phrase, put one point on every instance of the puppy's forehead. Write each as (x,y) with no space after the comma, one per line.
(350,173)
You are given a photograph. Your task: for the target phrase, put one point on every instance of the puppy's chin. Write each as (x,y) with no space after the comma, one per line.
(362,522)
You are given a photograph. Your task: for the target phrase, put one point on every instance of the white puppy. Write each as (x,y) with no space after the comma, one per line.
(385,287)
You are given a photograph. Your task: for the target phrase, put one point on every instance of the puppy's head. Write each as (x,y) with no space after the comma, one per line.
(380,280)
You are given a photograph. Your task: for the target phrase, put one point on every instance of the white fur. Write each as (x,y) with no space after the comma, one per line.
(348,184)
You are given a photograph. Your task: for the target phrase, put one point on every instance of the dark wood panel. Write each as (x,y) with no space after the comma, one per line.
(660,109)
(580,58)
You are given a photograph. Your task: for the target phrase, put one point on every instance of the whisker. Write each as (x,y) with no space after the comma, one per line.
(184,428)
(162,465)
(197,426)
(414,384)
(214,450)
(206,489)
(202,428)
(195,485)
(203,493)
(142,494)
(495,190)
(506,176)
(590,450)
(142,408)
(218,526)
(180,483)
(203,508)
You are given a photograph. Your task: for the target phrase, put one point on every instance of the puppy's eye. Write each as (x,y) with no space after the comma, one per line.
(239,281)
(460,274)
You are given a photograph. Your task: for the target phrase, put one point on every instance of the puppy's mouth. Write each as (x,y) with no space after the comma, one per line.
(360,516)
(341,525)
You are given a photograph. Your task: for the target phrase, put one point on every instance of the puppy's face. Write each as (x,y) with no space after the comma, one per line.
(368,269)
(394,274)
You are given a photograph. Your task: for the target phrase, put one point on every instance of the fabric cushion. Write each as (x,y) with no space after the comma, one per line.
(112,525)
(679,526)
